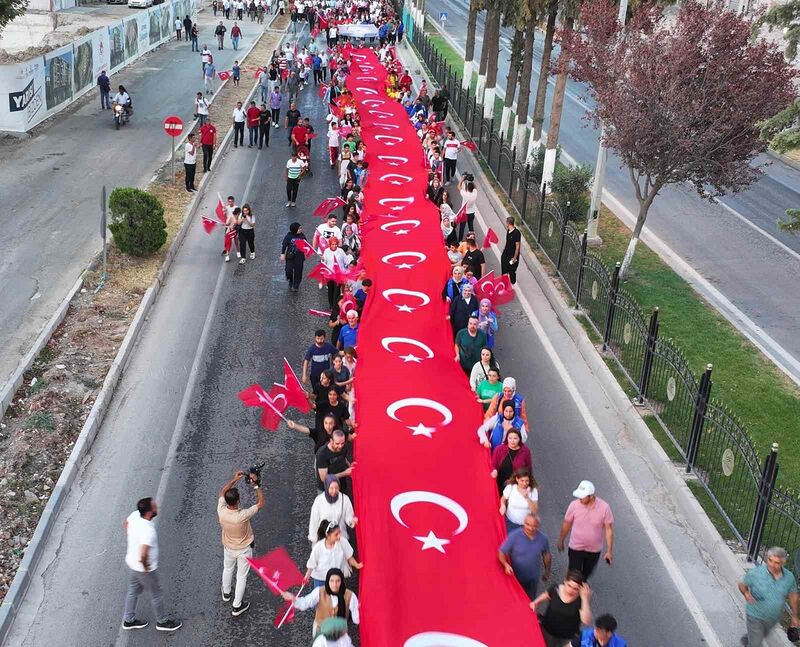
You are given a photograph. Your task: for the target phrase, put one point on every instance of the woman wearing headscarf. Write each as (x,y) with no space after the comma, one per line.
(480,371)
(332,599)
(294,258)
(454,284)
(509,457)
(351,240)
(435,190)
(331,551)
(461,309)
(331,505)
(448,228)
(510,394)
(487,321)
(494,431)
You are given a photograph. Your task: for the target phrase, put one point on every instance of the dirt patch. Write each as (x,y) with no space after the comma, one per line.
(49,410)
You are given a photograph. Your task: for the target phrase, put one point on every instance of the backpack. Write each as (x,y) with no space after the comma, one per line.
(291,251)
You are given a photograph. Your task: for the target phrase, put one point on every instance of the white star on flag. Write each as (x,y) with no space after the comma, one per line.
(422,430)
(404,266)
(432,541)
(411,358)
(405,308)
(400,232)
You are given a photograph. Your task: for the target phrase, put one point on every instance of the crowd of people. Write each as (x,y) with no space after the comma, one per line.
(329,364)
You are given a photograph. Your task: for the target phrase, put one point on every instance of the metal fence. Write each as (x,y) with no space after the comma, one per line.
(707,437)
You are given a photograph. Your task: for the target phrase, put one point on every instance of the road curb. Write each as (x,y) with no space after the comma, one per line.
(729,567)
(22,578)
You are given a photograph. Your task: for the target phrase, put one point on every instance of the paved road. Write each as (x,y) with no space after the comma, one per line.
(754,272)
(217,329)
(51,183)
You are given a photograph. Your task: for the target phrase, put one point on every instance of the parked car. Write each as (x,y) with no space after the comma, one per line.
(140,4)
(116,1)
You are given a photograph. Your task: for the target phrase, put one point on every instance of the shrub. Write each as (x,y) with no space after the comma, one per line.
(137,221)
(571,189)
(537,163)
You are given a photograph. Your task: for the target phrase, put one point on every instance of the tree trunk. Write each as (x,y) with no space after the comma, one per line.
(521,126)
(469,46)
(555,116)
(645,201)
(512,78)
(493,40)
(544,75)
(481,85)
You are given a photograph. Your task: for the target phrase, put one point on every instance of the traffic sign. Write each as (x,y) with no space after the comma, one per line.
(442,16)
(173,126)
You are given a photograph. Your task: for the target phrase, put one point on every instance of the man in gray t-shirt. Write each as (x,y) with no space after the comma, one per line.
(523,552)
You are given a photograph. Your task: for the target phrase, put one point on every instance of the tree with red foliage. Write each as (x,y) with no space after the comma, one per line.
(680,96)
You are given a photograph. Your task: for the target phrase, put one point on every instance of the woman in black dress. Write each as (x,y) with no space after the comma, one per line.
(293,257)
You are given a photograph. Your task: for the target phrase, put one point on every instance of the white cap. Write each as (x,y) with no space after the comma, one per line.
(586,488)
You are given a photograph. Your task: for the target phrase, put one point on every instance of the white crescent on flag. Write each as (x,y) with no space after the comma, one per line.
(430,540)
(421,258)
(441,639)
(419,429)
(387,342)
(389,293)
(399,232)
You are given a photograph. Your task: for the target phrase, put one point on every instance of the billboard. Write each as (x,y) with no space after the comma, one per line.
(131,38)
(58,77)
(116,39)
(83,70)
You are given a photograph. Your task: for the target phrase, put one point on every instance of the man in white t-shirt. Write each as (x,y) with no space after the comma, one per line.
(190,162)
(239,117)
(333,142)
(142,560)
(451,148)
(327,230)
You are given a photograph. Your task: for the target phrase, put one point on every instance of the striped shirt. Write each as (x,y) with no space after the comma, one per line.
(294,168)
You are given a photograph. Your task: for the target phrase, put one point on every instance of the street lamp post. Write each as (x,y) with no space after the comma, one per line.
(600,166)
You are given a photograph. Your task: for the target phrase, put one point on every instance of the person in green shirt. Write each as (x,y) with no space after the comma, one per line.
(765,589)
(489,388)
(469,342)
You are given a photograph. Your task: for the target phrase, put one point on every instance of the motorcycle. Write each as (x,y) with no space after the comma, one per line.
(121,116)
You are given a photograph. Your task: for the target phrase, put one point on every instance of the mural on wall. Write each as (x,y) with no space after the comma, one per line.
(101,54)
(155,25)
(58,78)
(131,38)
(117,39)
(143,20)
(84,66)
(166,21)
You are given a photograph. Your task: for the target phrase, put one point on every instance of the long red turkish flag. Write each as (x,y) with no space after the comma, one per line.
(429,526)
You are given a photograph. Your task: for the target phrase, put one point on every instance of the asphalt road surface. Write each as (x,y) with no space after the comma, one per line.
(753,269)
(51,183)
(176,428)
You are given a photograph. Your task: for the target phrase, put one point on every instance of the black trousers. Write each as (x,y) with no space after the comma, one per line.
(507,267)
(238,133)
(317,76)
(583,561)
(449,169)
(190,170)
(333,293)
(470,224)
(276,114)
(263,135)
(252,134)
(208,155)
(294,270)
(292,185)
(247,237)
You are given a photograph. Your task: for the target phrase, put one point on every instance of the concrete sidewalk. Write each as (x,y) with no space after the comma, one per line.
(704,571)
(50,183)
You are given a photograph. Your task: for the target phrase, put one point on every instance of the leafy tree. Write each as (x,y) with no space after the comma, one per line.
(782,131)
(10,9)
(571,188)
(786,16)
(137,221)
(544,75)
(680,99)
(792,222)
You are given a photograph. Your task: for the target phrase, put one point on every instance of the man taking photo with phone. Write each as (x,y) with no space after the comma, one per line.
(238,540)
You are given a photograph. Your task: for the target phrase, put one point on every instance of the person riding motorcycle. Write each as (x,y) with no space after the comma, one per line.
(124,99)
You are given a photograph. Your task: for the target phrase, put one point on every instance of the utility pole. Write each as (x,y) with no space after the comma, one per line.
(600,166)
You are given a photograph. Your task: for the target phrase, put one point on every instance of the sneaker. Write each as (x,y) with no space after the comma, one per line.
(237,611)
(169,625)
(252,255)
(226,597)
(242,261)
(288,204)
(238,255)
(223,253)
(294,204)
(227,258)
(134,624)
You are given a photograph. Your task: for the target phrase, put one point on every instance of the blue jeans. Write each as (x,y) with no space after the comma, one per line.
(195,48)
(235,41)
(105,102)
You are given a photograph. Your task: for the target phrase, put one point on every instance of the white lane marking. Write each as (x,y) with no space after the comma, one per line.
(672,568)
(177,433)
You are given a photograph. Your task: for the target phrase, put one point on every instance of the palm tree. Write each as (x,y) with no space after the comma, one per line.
(491,42)
(484,61)
(514,67)
(544,75)
(469,46)
(520,128)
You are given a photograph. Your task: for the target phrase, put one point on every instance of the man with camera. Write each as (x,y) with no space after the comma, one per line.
(237,536)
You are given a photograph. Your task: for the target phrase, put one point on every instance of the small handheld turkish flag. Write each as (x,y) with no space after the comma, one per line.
(273,403)
(328,205)
(209,224)
(285,614)
(497,289)
(224,75)
(490,239)
(304,247)
(295,393)
(469,145)
(321,90)
(461,215)
(220,211)
(229,238)
(277,570)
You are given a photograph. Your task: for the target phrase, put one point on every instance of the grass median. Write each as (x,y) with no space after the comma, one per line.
(759,394)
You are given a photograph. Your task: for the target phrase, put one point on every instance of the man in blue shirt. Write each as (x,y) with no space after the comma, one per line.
(523,552)
(317,358)
(348,335)
(766,589)
(602,635)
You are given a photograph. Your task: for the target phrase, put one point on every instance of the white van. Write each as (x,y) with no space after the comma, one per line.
(140,4)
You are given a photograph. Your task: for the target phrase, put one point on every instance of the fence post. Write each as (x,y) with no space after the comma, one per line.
(561,243)
(579,286)
(511,174)
(611,308)
(542,198)
(765,488)
(472,121)
(525,192)
(699,419)
(649,352)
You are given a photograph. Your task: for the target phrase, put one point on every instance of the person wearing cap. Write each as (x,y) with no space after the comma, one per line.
(603,634)
(586,521)
(765,589)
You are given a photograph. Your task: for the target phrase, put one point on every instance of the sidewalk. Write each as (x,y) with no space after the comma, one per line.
(702,568)
(51,183)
